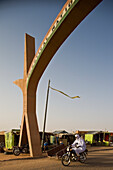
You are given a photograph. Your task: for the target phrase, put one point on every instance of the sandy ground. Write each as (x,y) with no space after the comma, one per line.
(98,158)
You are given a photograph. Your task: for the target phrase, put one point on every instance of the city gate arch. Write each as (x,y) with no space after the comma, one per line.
(70,16)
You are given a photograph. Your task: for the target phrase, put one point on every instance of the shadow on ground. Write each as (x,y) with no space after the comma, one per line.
(101,160)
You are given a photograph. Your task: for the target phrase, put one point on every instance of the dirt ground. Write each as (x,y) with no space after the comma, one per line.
(98,158)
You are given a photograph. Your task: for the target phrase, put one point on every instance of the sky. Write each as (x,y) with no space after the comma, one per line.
(82,66)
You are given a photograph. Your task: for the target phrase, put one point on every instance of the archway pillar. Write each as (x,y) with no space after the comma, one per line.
(29,132)
(32,126)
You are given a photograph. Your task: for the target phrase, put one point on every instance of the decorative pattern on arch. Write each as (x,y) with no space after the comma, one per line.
(71,15)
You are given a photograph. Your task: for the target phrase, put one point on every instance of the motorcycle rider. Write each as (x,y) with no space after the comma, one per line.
(78,145)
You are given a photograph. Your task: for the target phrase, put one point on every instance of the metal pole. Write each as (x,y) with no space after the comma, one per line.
(45,115)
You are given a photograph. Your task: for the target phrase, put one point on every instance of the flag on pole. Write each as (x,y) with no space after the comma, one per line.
(64,93)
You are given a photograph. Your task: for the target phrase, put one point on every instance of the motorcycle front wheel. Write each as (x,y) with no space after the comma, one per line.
(65,160)
(25,150)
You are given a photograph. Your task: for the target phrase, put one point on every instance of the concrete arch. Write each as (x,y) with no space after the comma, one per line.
(71,15)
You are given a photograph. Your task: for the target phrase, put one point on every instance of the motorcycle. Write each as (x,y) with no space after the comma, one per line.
(70,155)
(23,149)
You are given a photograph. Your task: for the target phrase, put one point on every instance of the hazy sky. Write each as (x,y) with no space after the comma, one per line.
(82,66)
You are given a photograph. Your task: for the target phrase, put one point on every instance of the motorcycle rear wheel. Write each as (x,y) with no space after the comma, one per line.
(83,158)
(16,151)
(65,160)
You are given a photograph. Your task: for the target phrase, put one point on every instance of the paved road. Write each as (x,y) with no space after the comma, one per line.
(101,160)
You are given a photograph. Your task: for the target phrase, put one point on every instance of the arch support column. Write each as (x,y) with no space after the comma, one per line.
(32,126)
(29,132)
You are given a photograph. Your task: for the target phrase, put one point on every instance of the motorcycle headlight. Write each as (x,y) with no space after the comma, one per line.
(68,149)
